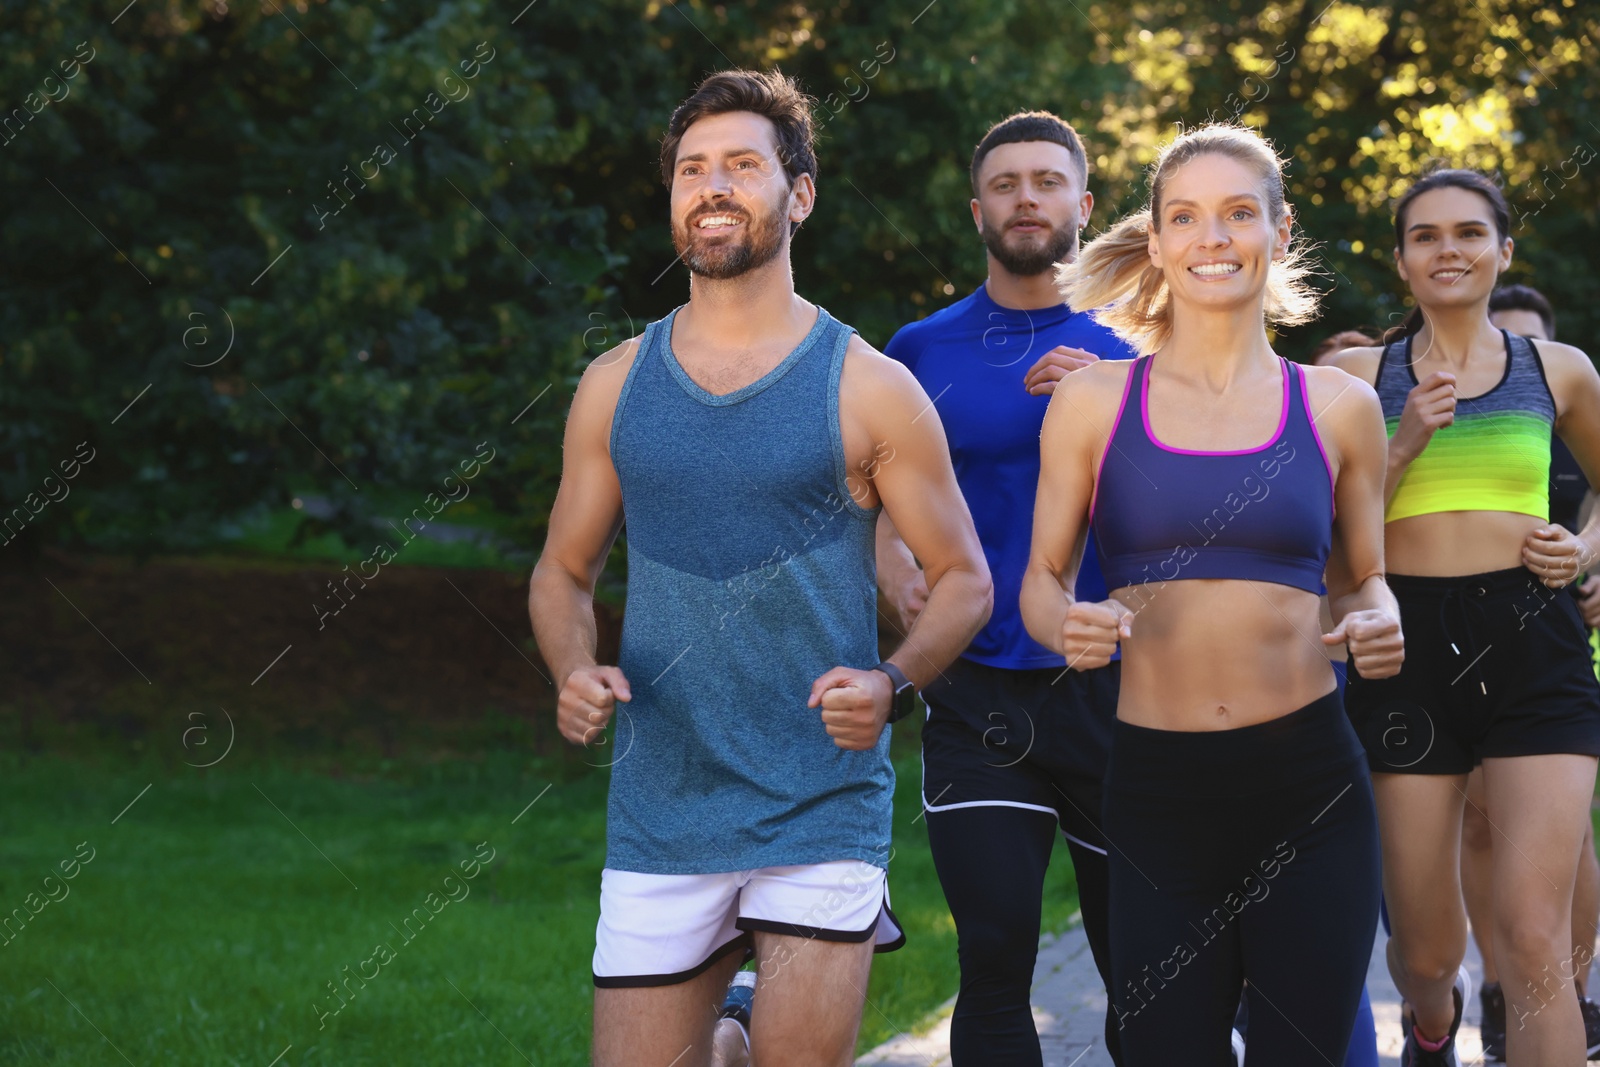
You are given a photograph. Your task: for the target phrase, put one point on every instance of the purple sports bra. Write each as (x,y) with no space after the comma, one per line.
(1262,514)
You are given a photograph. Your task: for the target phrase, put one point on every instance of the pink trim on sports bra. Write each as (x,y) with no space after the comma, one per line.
(1149,431)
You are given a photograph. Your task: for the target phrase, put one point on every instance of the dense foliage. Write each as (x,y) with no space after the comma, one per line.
(268,247)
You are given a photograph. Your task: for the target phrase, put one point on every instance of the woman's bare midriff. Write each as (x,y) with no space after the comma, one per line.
(1218,654)
(1451,543)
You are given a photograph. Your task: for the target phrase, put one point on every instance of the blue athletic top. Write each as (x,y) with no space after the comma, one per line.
(1161,513)
(751,573)
(971,358)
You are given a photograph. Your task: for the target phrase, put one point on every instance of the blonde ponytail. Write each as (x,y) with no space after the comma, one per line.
(1113,272)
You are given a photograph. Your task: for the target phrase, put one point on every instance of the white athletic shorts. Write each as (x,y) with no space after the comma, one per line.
(660,929)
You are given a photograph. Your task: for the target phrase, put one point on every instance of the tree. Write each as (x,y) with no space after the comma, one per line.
(411,222)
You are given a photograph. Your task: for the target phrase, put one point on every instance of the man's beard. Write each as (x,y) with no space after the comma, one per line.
(1035,259)
(760,242)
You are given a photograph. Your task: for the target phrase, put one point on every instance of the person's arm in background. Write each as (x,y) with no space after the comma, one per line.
(917,487)
(1076,427)
(1589,589)
(1559,556)
(1430,405)
(902,586)
(1366,616)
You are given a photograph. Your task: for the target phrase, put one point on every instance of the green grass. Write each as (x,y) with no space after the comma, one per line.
(206,926)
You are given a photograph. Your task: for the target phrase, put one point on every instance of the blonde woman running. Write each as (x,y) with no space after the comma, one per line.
(1238,805)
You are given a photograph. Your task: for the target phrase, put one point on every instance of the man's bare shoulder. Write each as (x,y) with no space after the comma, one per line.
(872,367)
(595,402)
(872,380)
(610,368)
(601,382)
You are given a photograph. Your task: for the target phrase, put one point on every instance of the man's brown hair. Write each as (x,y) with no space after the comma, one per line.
(1031,126)
(770,94)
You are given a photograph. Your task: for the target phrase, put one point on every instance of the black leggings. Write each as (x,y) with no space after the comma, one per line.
(1241,854)
(991,863)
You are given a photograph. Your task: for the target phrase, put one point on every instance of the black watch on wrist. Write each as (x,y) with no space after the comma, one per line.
(905,694)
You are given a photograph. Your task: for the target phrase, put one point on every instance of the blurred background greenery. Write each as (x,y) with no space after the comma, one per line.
(277,340)
(525,228)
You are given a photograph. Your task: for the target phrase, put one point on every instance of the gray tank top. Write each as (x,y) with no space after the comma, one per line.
(751,573)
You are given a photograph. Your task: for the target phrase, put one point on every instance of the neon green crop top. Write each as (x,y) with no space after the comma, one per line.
(1494,457)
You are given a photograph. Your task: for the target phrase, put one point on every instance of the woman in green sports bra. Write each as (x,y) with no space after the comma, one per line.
(1497,662)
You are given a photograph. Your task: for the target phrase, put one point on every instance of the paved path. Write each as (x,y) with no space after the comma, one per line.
(1069,1006)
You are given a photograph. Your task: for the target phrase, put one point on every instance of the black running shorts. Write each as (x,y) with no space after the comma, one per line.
(1496,665)
(1036,739)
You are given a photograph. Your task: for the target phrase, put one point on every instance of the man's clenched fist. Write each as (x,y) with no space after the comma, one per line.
(855,705)
(588,698)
